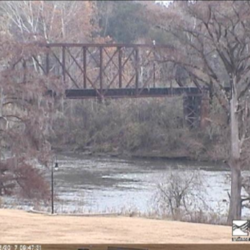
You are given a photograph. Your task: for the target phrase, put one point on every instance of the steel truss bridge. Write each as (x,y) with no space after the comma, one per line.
(116,71)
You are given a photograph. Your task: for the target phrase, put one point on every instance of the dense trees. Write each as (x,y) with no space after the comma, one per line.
(123,21)
(126,22)
(143,127)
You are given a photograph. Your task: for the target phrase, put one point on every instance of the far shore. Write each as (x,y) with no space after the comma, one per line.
(143,156)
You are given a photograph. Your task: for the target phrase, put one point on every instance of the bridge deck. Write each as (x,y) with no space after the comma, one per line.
(130,92)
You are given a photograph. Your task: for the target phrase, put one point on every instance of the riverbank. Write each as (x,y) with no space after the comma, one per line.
(154,155)
(23,227)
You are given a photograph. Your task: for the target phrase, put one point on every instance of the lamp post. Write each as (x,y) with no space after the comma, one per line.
(52,186)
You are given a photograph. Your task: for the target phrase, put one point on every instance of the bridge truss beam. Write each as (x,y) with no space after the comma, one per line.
(114,71)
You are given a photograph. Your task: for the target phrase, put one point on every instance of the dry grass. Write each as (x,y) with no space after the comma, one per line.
(23,227)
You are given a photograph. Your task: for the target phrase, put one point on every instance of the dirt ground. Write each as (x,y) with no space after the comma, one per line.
(22,227)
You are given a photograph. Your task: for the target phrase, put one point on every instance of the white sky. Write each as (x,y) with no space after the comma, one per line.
(166,3)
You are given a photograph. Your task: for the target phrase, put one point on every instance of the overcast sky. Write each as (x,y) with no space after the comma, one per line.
(166,3)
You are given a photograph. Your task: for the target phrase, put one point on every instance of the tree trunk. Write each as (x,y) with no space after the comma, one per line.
(235,199)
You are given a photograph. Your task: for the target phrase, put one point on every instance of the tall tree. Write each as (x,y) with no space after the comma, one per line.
(25,122)
(212,41)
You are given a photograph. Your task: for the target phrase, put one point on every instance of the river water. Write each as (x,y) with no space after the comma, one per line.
(104,185)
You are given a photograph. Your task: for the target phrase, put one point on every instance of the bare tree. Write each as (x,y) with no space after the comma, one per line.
(212,44)
(51,21)
(178,192)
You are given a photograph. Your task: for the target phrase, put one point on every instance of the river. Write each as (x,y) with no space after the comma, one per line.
(105,185)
